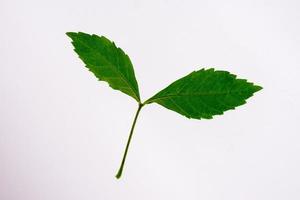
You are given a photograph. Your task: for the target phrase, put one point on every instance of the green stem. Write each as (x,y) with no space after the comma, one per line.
(119,174)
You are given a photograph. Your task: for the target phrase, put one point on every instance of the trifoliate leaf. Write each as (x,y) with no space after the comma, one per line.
(108,62)
(205,93)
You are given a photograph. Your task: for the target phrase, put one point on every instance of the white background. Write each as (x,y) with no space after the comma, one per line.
(62,133)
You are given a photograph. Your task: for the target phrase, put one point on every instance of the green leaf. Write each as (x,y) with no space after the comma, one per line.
(205,93)
(108,62)
(201,94)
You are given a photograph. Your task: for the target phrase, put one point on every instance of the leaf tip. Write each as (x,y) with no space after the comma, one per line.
(258,88)
(71,34)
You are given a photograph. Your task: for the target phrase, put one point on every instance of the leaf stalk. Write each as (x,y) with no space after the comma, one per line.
(119,174)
